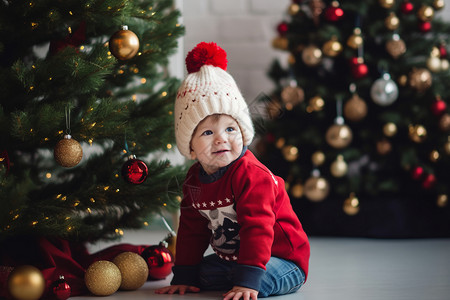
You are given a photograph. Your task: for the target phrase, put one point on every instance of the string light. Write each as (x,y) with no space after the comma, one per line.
(48,175)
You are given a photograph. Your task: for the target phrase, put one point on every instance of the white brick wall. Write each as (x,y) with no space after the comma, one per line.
(245,29)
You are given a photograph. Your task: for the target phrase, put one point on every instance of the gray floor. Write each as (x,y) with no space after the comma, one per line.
(344,269)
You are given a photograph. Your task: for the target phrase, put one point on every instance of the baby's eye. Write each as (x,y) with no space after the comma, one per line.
(207,132)
(230,129)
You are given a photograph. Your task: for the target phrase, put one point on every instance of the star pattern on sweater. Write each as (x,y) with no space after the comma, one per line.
(213,204)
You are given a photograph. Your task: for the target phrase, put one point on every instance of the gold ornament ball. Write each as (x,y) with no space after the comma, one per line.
(133,269)
(297,190)
(339,136)
(420,79)
(442,200)
(316,189)
(386,3)
(26,283)
(332,47)
(280,42)
(292,95)
(351,205)
(355,40)
(318,158)
(390,129)
(124,44)
(434,64)
(383,147)
(103,278)
(293,9)
(434,156)
(339,167)
(396,47)
(392,21)
(438,4)
(417,133)
(425,13)
(290,153)
(444,122)
(68,152)
(311,55)
(316,103)
(444,64)
(355,109)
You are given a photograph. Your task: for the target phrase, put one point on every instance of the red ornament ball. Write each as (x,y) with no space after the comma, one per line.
(429,181)
(334,13)
(417,173)
(360,71)
(159,260)
(134,171)
(61,289)
(206,54)
(425,26)
(442,51)
(407,7)
(282,28)
(438,107)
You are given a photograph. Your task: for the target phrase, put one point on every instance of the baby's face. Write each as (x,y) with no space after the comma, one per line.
(216,142)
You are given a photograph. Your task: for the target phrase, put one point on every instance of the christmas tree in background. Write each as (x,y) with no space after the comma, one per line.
(85,117)
(363,137)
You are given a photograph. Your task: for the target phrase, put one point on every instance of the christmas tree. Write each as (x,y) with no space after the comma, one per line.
(86,117)
(360,124)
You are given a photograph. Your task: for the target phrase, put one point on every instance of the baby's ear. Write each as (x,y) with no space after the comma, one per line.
(193,156)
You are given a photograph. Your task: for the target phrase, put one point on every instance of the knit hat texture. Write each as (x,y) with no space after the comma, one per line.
(208,89)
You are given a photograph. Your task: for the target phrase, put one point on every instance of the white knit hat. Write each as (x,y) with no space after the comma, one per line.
(208,89)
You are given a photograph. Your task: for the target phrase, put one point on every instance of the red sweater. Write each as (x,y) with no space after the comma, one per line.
(245,215)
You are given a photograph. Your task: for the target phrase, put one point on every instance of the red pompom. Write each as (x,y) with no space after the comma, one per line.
(206,54)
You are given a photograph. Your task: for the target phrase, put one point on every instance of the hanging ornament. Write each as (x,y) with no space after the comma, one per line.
(359,69)
(351,205)
(68,152)
(383,147)
(290,153)
(316,7)
(425,13)
(442,50)
(311,55)
(390,129)
(318,158)
(133,269)
(438,107)
(102,278)
(438,4)
(442,200)
(444,122)
(334,13)
(283,28)
(386,3)
(124,44)
(445,64)
(417,133)
(429,181)
(316,103)
(134,171)
(292,94)
(392,21)
(339,167)
(420,79)
(316,187)
(26,282)
(297,190)
(396,46)
(294,9)
(434,64)
(424,26)
(281,43)
(417,173)
(407,7)
(339,135)
(61,289)
(434,156)
(384,91)
(355,109)
(332,47)
(355,40)
(159,260)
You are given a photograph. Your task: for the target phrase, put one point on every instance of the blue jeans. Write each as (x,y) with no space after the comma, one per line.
(281,276)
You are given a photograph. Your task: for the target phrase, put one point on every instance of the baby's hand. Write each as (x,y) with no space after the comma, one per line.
(181,289)
(238,292)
